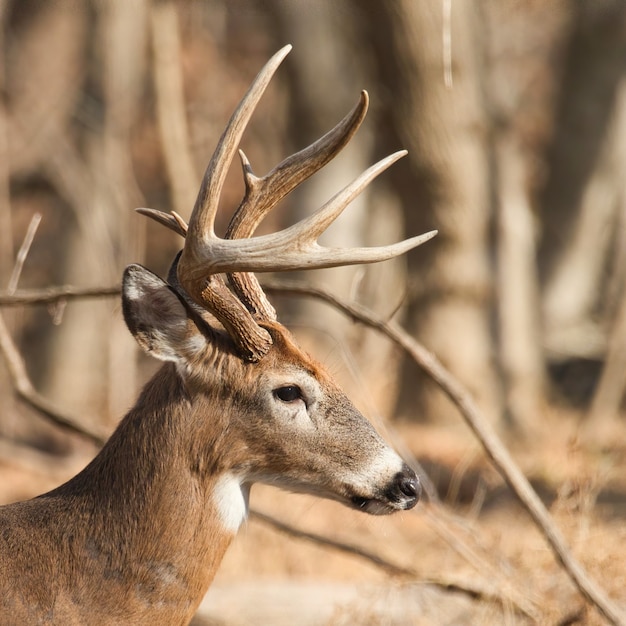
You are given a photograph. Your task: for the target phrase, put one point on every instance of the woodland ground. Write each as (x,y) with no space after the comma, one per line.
(480,538)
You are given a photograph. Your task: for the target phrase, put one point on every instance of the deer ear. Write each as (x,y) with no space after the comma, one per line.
(155,315)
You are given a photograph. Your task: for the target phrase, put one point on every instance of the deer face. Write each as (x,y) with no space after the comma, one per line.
(281,420)
(303,434)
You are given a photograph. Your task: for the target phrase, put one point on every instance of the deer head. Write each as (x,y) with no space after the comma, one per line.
(296,428)
(138,535)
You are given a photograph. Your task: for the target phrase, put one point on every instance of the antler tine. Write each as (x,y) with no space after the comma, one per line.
(307,231)
(201,223)
(263,194)
(296,247)
(172,220)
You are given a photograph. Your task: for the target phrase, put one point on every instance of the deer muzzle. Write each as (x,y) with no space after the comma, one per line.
(401,494)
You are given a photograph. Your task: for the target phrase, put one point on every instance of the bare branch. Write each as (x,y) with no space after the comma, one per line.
(375,559)
(493,447)
(25,390)
(52,295)
(447,528)
(15,364)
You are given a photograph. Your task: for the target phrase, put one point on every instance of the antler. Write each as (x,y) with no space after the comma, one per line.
(205,256)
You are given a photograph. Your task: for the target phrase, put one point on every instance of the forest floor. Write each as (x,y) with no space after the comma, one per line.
(476,556)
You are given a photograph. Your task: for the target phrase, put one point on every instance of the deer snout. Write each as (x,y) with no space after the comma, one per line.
(406,489)
(401,493)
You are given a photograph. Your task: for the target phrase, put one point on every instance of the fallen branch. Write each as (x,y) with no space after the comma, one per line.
(375,559)
(470,589)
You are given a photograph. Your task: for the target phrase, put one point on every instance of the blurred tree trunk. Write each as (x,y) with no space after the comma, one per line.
(170,104)
(518,302)
(444,129)
(96,378)
(579,198)
(40,92)
(519,39)
(323,86)
(609,394)
(124,45)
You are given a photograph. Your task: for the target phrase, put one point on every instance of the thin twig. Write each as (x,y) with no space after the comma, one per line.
(23,252)
(378,561)
(448,532)
(483,431)
(15,364)
(52,295)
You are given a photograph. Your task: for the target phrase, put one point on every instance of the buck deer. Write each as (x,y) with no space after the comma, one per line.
(138,535)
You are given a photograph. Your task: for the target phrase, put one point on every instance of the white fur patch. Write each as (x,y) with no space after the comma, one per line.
(194,344)
(133,292)
(384,466)
(231,501)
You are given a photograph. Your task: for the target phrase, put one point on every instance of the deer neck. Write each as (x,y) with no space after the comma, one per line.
(158,514)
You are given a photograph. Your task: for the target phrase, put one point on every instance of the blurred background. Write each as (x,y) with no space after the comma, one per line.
(514,116)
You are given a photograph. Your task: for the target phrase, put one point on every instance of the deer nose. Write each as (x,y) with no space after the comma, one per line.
(406,488)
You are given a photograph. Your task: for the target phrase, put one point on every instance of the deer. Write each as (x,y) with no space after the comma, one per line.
(137,536)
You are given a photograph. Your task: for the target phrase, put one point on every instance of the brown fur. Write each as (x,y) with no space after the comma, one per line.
(130,531)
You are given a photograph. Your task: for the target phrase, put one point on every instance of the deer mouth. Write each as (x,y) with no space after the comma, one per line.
(401,495)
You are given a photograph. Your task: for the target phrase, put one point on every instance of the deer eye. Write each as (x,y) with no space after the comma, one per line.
(288,393)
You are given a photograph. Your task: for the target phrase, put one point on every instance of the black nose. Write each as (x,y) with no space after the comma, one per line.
(409,486)
(406,488)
